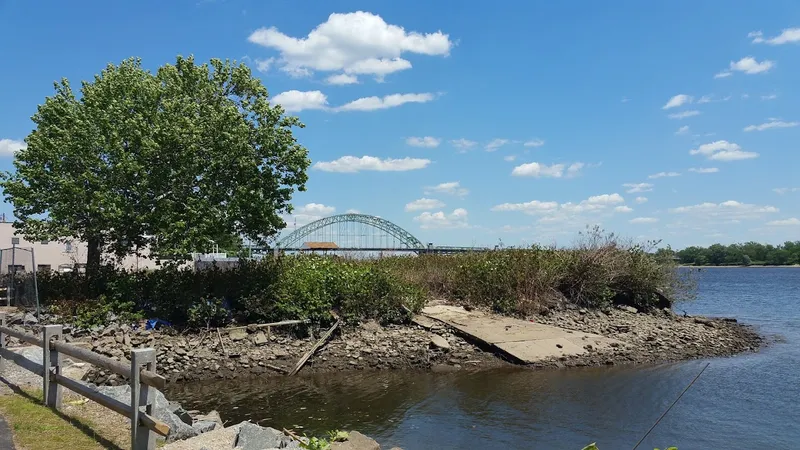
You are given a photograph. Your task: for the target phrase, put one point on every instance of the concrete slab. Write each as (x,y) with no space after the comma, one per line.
(525,341)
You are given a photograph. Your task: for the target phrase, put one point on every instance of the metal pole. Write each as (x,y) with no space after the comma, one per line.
(35,283)
(13,271)
(2,341)
(8,293)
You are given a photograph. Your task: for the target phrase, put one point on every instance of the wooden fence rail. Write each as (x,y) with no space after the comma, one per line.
(141,372)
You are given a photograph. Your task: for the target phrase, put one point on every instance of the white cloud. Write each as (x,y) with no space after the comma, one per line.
(749,65)
(263,65)
(723,151)
(664,175)
(316,208)
(463,144)
(704,99)
(534,143)
(538,170)
(683,130)
(605,199)
(623,209)
(424,204)
(495,144)
(308,213)
(704,170)
(790,222)
(769,97)
(770,125)
(353,43)
(553,211)
(353,211)
(295,101)
(531,207)
(574,169)
(379,67)
(388,101)
(784,190)
(534,169)
(427,142)
(641,200)
(684,114)
(639,220)
(729,210)
(8,147)
(678,100)
(353,164)
(509,158)
(723,74)
(788,35)
(440,220)
(342,79)
(449,188)
(638,187)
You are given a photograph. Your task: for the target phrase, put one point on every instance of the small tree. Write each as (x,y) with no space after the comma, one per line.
(170,161)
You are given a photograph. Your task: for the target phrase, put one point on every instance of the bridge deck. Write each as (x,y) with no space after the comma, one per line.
(527,342)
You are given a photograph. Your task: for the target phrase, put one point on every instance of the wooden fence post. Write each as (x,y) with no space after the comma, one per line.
(142,438)
(51,362)
(2,340)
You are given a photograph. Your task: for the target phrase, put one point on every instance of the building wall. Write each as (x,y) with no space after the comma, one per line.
(52,254)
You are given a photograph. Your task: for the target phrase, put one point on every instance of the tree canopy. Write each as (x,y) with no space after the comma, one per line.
(169,161)
(749,253)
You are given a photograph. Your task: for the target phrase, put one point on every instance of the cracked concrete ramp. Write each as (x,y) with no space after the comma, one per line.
(525,341)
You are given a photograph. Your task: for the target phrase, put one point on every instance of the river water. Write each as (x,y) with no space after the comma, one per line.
(749,401)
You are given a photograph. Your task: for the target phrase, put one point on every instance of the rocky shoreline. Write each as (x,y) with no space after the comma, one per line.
(654,337)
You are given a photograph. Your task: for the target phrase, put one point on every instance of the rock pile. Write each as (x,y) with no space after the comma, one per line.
(249,436)
(660,336)
(252,351)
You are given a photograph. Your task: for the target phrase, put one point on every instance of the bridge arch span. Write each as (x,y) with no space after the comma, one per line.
(296,238)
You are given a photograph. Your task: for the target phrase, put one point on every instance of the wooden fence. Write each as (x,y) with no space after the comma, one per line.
(141,372)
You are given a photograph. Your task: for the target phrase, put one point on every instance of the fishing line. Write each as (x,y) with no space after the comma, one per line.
(670,407)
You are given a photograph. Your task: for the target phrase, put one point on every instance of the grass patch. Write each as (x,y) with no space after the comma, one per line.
(36,427)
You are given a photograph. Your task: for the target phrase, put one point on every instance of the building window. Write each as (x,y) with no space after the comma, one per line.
(68,247)
(45,242)
(43,268)
(18,268)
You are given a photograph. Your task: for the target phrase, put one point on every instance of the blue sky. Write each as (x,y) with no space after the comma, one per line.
(466,122)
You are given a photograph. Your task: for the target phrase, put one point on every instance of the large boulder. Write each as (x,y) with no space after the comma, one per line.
(254,437)
(162,410)
(356,441)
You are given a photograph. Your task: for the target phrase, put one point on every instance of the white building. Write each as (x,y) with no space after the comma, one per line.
(51,255)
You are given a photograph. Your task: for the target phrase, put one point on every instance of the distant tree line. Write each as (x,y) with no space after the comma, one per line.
(749,253)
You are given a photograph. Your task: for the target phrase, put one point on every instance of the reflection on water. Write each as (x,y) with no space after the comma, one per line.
(748,400)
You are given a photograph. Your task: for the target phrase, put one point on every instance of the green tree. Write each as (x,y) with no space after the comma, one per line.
(170,161)
(716,254)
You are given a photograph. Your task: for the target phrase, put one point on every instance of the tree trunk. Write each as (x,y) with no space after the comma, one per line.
(94,253)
